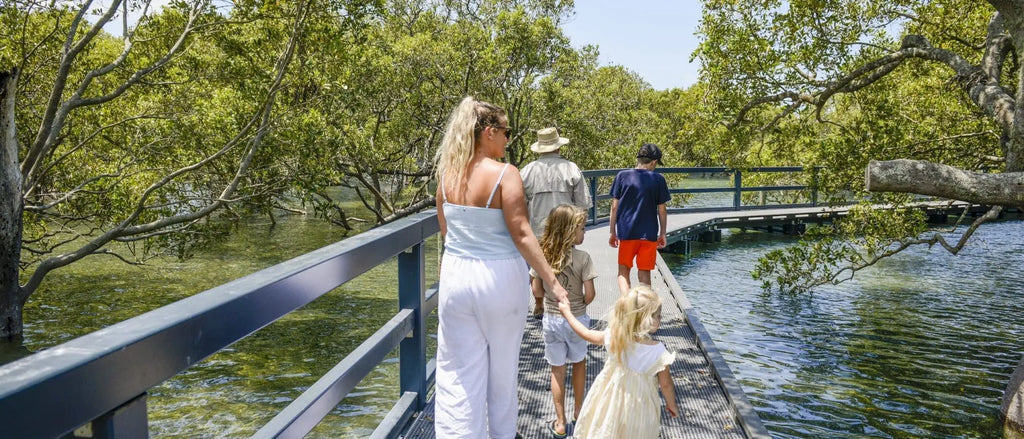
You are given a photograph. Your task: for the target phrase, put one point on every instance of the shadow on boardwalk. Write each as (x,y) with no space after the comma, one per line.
(705,412)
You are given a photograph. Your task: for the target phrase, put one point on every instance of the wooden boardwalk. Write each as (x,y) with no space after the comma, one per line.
(711,402)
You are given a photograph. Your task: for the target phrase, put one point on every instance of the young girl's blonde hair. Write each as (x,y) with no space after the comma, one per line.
(634,316)
(560,234)
(465,124)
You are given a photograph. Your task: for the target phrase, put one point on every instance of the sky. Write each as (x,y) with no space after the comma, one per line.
(654,38)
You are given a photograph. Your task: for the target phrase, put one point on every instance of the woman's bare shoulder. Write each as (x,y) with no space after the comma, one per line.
(494,164)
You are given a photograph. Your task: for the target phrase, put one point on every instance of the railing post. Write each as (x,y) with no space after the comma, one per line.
(814,186)
(127,421)
(593,200)
(736,201)
(413,350)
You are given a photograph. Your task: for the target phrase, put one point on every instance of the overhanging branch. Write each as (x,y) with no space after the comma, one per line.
(927,178)
(985,92)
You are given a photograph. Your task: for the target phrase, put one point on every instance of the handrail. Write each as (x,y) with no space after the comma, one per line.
(103,377)
(737,188)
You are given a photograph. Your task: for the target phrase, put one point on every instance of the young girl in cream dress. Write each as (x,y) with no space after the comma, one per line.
(623,401)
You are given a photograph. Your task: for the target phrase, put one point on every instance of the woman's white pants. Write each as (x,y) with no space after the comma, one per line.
(482,307)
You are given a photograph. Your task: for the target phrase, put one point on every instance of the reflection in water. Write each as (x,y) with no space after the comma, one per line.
(921,345)
(237,391)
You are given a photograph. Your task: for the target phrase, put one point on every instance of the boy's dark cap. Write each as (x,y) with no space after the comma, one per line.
(650,151)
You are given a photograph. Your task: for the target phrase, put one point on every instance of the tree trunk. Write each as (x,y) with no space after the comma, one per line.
(1012,408)
(12,297)
(927,178)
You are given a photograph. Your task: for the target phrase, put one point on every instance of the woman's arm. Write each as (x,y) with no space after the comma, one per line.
(668,390)
(588,291)
(513,207)
(590,335)
(439,202)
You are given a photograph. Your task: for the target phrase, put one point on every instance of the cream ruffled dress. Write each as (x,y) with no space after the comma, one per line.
(624,400)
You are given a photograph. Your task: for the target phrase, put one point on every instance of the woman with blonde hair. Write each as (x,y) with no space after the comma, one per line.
(484,285)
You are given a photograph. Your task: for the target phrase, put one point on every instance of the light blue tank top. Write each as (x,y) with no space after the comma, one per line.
(477,232)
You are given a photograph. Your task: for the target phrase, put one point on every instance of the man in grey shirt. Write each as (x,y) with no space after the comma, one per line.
(549,181)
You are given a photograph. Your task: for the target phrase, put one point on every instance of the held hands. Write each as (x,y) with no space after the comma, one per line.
(560,294)
(564,308)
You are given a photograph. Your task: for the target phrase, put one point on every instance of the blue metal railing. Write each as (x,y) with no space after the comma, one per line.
(102,377)
(737,188)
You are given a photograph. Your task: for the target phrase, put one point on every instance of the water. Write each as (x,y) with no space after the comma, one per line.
(921,345)
(237,391)
(723,199)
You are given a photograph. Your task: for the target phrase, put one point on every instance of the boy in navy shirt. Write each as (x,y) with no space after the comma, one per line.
(638,216)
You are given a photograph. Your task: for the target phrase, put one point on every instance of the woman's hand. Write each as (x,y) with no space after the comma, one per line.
(564,308)
(560,293)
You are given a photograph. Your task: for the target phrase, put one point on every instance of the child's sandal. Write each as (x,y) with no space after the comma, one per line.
(557,435)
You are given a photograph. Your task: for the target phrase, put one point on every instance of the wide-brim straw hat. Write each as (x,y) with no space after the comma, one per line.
(548,140)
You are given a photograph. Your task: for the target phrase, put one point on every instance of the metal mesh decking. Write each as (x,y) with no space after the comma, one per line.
(705,411)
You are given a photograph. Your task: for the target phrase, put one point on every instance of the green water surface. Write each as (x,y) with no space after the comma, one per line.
(235,392)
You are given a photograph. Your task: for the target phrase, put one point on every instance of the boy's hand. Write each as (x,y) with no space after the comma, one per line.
(613,241)
(662,241)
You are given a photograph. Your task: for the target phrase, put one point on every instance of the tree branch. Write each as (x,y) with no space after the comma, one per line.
(124,229)
(410,209)
(989,96)
(791,95)
(990,215)
(56,113)
(997,46)
(927,178)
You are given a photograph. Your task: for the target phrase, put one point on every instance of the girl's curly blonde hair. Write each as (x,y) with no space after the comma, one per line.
(560,234)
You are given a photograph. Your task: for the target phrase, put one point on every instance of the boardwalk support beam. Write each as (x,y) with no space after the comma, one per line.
(128,420)
(794,229)
(681,247)
(710,236)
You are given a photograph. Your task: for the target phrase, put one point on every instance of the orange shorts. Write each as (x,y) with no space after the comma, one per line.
(645,252)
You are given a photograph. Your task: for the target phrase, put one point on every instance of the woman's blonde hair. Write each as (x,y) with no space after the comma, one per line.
(635,314)
(465,124)
(560,234)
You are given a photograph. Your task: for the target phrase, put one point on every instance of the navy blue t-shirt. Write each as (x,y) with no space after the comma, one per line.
(639,192)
